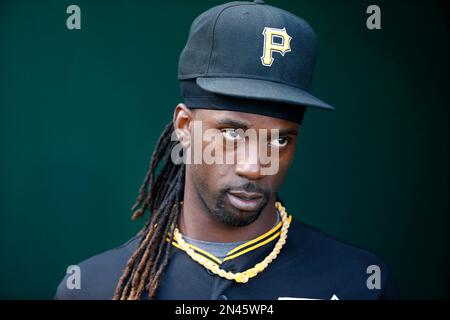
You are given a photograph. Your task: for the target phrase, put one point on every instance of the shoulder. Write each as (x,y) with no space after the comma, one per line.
(358,272)
(320,246)
(98,275)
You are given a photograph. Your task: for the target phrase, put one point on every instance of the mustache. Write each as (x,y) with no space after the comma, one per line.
(249,187)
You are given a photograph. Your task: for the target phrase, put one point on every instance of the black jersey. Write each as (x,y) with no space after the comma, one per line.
(311,265)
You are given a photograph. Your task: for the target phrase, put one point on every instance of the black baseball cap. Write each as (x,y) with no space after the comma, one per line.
(250,51)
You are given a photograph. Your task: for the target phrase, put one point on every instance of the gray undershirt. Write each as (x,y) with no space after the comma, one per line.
(218,249)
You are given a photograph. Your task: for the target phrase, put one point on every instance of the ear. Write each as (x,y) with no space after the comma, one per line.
(182,120)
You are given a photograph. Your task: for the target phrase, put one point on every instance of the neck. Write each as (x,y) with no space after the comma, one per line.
(196,222)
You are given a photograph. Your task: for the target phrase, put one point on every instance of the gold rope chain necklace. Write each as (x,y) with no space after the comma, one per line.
(240,277)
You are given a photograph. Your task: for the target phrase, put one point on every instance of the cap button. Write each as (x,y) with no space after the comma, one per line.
(259,1)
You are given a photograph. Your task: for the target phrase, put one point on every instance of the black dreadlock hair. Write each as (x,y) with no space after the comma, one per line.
(146,265)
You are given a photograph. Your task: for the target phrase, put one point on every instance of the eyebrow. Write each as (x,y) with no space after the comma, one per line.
(285,132)
(233,123)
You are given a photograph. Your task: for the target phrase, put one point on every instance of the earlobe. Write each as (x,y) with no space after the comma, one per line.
(182,118)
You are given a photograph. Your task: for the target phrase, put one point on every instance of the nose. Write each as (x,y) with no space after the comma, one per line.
(248,164)
(251,171)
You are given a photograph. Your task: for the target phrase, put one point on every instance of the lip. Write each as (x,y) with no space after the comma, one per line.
(245,201)
(245,195)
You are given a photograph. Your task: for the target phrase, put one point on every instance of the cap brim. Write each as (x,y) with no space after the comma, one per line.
(261,90)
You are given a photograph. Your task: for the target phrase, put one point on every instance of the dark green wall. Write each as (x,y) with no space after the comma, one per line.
(80,112)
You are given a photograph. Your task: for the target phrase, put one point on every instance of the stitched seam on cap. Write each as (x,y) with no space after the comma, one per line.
(214,29)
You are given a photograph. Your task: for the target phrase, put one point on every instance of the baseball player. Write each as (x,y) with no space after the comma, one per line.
(219,230)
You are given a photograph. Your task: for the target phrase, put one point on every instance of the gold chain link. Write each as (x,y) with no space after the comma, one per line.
(240,277)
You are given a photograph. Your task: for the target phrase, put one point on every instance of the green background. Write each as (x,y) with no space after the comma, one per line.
(80,112)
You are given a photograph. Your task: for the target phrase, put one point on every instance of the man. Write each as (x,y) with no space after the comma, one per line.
(219,231)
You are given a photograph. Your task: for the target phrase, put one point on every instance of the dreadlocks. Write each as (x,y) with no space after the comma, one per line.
(162,195)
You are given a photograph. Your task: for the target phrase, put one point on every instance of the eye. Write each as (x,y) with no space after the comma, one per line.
(279,142)
(231,134)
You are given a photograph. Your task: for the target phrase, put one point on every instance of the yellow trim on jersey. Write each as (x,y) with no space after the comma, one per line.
(228,257)
(207,254)
(239,250)
(268,233)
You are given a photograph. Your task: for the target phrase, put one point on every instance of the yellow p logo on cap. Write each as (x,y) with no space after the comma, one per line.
(271,46)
